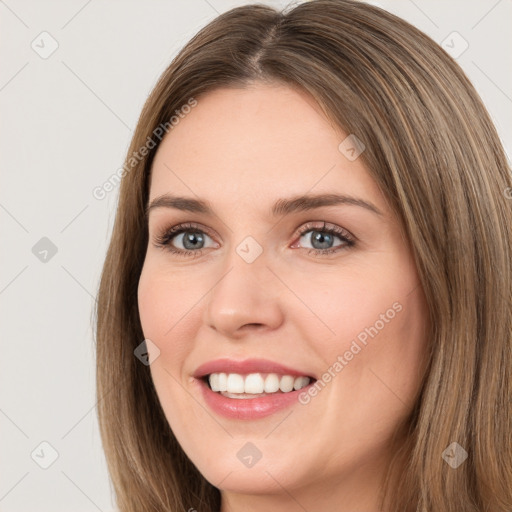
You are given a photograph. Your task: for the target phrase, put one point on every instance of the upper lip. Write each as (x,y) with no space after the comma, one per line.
(247,366)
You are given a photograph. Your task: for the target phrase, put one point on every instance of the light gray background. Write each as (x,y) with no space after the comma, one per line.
(66,122)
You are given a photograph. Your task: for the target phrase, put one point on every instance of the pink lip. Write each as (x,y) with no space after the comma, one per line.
(245,367)
(250,408)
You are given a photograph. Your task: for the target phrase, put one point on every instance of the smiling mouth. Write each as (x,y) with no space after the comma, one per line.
(254,385)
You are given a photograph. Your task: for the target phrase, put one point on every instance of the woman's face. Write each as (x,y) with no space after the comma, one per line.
(256,276)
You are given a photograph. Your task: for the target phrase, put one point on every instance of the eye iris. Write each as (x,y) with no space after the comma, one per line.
(192,238)
(318,236)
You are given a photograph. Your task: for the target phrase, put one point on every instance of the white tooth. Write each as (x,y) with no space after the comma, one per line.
(223,382)
(254,383)
(271,383)
(300,382)
(235,383)
(214,381)
(286,383)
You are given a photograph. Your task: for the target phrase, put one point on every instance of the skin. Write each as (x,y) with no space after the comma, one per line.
(243,149)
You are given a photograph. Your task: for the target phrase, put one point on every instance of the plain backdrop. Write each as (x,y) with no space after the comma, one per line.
(73,78)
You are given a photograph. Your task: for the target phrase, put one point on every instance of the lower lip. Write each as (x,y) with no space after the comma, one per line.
(249,408)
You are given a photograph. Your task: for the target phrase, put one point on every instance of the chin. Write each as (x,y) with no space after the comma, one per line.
(247,480)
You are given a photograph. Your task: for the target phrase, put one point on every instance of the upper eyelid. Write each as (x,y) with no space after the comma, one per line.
(180,225)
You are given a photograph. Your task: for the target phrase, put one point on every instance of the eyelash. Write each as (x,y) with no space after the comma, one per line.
(164,239)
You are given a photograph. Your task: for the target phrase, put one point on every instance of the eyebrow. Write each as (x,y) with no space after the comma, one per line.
(280,207)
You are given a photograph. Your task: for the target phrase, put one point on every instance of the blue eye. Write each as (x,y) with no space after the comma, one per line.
(324,241)
(322,238)
(193,237)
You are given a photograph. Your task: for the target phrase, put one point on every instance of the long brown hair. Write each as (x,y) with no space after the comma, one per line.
(433,151)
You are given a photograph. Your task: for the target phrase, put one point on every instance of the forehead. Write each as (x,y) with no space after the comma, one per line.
(256,143)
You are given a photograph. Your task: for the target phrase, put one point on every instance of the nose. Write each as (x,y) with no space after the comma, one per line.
(244,299)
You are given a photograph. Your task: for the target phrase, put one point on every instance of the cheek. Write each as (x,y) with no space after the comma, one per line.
(369,330)
(167,312)
(338,307)
(164,298)
(167,315)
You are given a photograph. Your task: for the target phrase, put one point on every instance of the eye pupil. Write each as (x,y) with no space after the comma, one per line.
(320,237)
(192,238)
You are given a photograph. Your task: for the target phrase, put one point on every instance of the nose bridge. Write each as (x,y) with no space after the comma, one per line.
(246,293)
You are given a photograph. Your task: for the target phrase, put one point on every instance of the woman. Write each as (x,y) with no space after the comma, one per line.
(306,302)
